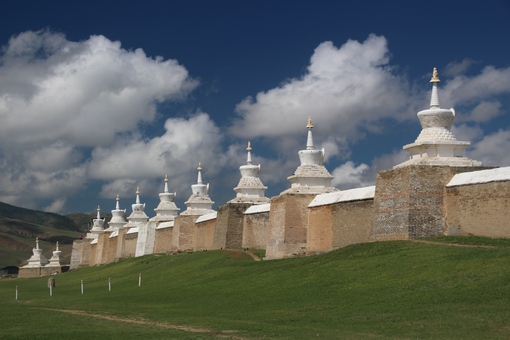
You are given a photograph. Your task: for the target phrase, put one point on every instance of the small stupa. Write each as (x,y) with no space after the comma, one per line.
(56,259)
(250,188)
(166,210)
(118,219)
(98,225)
(199,203)
(37,259)
(138,215)
(311,176)
(436,144)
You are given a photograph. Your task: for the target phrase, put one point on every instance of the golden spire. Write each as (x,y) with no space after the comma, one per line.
(199,166)
(138,190)
(249,146)
(166,178)
(117,198)
(435,78)
(309,125)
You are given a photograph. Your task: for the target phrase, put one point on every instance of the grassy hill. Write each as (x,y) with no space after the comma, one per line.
(401,289)
(19,227)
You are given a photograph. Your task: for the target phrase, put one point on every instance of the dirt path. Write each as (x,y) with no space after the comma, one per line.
(222,334)
(452,244)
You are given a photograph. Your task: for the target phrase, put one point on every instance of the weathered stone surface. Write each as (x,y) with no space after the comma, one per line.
(229,225)
(256,230)
(479,209)
(409,201)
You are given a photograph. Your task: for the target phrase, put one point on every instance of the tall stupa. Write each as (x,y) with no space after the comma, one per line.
(118,219)
(97,226)
(436,144)
(250,188)
(199,203)
(166,210)
(311,176)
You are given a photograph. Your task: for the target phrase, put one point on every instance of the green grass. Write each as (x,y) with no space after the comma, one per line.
(398,289)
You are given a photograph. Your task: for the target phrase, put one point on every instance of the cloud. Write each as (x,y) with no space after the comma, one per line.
(175,153)
(343,89)
(348,175)
(60,100)
(492,149)
(464,90)
(458,67)
(56,206)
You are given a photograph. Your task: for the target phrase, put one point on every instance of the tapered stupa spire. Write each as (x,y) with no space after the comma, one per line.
(248,161)
(434,98)
(166,183)
(309,142)
(199,178)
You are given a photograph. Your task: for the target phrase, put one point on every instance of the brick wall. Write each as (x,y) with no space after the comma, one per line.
(129,248)
(255,230)
(229,225)
(288,222)
(163,242)
(479,209)
(112,249)
(338,225)
(204,235)
(409,201)
(184,232)
(76,254)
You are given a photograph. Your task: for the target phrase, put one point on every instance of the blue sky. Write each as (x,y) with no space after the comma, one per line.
(97,98)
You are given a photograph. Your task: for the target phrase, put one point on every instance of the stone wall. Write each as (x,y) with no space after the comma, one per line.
(184,232)
(255,230)
(129,248)
(204,235)
(112,249)
(76,254)
(479,209)
(409,201)
(229,225)
(338,225)
(92,254)
(288,222)
(26,273)
(163,241)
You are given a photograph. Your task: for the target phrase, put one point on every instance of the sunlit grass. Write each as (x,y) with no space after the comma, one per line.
(399,289)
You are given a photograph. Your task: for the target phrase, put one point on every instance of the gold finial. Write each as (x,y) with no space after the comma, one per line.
(199,166)
(309,125)
(138,190)
(435,78)
(98,208)
(249,146)
(117,198)
(166,178)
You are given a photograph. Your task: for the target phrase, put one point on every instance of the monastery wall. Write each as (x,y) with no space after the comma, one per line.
(26,273)
(409,201)
(255,230)
(163,241)
(184,232)
(92,254)
(288,222)
(112,249)
(129,247)
(229,225)
(102,248)
(76,254)
(204,235)
(479,209)
(339,225)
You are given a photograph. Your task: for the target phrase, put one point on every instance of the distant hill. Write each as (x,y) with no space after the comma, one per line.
(20,226)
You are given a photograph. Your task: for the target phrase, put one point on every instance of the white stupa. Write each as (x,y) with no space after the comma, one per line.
(56,259)
(37,259)
(311,176)
(250,188)
(436,144)
(166,210)
(97,226)
(199,203)
(138,215)
(118,219)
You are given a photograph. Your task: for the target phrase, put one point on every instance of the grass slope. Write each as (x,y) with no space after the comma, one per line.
(17,238)
(398,289)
